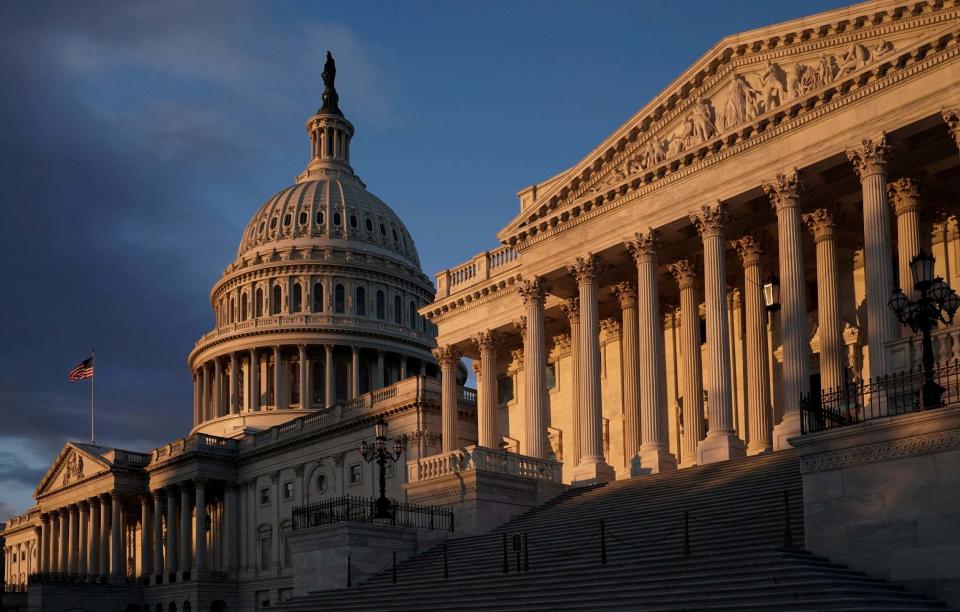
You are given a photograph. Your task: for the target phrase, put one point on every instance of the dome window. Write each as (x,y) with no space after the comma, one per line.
(336,218)
(275,300)
(286,220)
(339,299)
(273,223)
(369,225)
(383,229)
(263,224)
(413,315)
(353,221)
(395,237)
(297,298)
(317,297)
(361,302)
(303,218)
(381,305)
(319,217)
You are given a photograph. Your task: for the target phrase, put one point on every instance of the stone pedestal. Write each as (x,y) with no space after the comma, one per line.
(320,554)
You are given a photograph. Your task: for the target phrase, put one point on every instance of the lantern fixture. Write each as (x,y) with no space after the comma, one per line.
(771,293)
(383,507)
(921,267)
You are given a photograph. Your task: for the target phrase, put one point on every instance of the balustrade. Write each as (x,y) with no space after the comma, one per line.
(480,459)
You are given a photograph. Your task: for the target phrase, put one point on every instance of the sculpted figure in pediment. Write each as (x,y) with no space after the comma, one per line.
(742,103)
(854,58)
(774,83)
(826,70)
(702,118)
(653,153)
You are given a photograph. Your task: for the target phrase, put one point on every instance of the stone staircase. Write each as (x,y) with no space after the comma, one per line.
(712,537)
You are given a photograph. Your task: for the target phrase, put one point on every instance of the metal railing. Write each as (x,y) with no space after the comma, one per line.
(884,396)
(362,510)
(64,578)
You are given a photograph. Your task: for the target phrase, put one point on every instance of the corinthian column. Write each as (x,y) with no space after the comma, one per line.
(116,566)
(328,388)
(693,425)
(302,367)
(144,536)
(952,117)
(721,442)
(448,357)
(171,557)
(72,532)
(904,195)
(832,348)
(254,379)
(535,369)
(104,540)
(218,388)
(204,411)
(571,308)
(870,162)
(157,535)
(63,565)
(759,409)
(234,384)
(487,390)
(593,467)
(83,535)
(626,293)
(654,448)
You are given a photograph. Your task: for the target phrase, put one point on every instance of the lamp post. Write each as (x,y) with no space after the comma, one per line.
(381,454)
(936,302)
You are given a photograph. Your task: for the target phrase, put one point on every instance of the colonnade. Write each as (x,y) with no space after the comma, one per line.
(84,537)
(251,381)
(642,343)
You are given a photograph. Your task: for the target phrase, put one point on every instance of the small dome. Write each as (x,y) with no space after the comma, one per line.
(330,208)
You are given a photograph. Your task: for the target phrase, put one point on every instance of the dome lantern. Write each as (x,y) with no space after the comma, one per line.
(330,132)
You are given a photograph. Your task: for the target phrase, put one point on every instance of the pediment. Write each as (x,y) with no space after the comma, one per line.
(744,84)
(75,462)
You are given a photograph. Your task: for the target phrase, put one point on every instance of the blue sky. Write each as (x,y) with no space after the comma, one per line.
(137,138)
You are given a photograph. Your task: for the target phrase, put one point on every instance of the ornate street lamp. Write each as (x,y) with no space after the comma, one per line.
(937,302)
(381,454)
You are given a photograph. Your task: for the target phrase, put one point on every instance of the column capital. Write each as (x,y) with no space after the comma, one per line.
(521,326)
(821,222)
(156,494)
(571,308)
(276,349)
(611,327)
(486,339)
(355,349)
(586,269)
(870,157)
(476,369)
(626,292)
(904,195)
(749,249)
(684,272)
(711,219)
(104,497)
(531,291)
(952,118)
(447,355)
(144,499)
(644,246)
(784,190)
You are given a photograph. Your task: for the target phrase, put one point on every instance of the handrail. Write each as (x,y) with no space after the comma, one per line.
(349,508)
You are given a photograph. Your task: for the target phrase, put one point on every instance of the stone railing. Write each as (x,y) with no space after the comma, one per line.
(482,267)
(196,442)
(117,456)
(307,320)
(905,353)
(14,522)
(480,459)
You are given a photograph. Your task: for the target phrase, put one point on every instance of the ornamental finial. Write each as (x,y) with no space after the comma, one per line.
(331,100)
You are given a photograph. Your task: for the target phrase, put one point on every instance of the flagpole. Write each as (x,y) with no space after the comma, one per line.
(93,396)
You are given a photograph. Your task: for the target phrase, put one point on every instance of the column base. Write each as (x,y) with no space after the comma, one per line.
(592,472)
(720,446)
(759,447)
(788,428)
(652,460)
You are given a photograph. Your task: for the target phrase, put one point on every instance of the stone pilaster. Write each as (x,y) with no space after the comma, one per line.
(684,273)
(655,453)
(592,467)
(486,373)
(822,224)
(721,442)
(571,308)
(870,162)
(535,369)
(784,194)
(759,409)
(626,293)
(253,396)
(448,357)
(904,196)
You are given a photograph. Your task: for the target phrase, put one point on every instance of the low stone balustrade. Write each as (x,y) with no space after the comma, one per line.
(906,352)
(479,458)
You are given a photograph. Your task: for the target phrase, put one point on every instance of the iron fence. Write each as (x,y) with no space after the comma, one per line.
(884,396)
(362,510)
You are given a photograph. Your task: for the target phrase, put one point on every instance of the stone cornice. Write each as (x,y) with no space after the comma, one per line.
(479,295)
(581,206)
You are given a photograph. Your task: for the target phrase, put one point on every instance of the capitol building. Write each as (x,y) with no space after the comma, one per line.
(736,309)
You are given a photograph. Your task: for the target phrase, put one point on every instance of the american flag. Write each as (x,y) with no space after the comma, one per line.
(83,370)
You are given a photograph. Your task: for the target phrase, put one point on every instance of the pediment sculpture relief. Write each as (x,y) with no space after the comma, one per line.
(747,96)
(73,471)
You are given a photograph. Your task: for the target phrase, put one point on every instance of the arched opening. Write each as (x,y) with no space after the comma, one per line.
(317,297)
(243,307)
(341,374)
(297,297)
(364,378)
(317,380)
(397,310)
(413,315)
(339,299)
(258,302)
(361,302)
(275,300)
(381,305)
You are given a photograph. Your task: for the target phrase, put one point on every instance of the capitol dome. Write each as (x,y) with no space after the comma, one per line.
(321,304)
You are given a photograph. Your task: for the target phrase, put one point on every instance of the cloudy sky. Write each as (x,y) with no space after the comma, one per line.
(137,138)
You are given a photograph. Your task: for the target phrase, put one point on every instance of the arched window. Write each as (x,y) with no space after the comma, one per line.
(243,307)
(275,300)
(317,297)
(258,302)
(361,302)
(339,300)
(381,305)
(297,298)
(397,310)
(413,315)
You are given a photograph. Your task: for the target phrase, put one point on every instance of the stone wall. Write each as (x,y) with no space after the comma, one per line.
(884,497)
